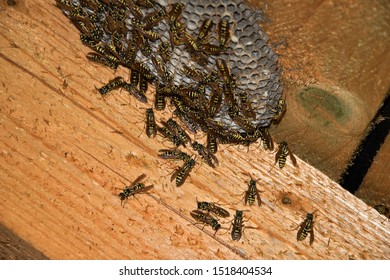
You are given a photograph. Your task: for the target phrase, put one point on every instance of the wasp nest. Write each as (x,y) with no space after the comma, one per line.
(209,58)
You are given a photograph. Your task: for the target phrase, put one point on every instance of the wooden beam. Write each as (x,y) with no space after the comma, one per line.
(66,153)
(334,60)
(14,248)
(374,189)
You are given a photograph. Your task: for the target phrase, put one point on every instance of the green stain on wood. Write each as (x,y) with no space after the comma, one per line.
(323,107)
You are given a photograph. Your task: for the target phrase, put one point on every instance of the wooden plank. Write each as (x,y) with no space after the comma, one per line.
(334,58)
(374,189)
(66,153)
(14,248)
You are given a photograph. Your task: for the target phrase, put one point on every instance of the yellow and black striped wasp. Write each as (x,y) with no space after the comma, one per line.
(282,153)
(238,225)
(206,219)
(135,187)
(306,227)
(204,31)
(159,98)
(205,153)
(212,145)
(110,61)
(115,83)
(266,138)
(152,19)
(224,33)
(279,111)
(187,121)
(175,128)
(252,193)
(173,154)
(151,126)
(182,173)
(212,208)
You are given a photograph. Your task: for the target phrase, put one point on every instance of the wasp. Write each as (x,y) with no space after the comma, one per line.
(135,10)
(211,49)
(162,70)
(238,225)
(89,40)
(282,153)
(167,133)
(180,105)
(215,100)
(150,34)
(177,130)
(306,227)
(92,4)
(182,173)
(134,188)
(159,98)
(153,19)
(210,77)
(191,43)
(204,30)
(246,106)
(223,33)
(176,30)
(111,85)
(151,125)
(145,3)
(213,208)
(143,84)
(252,193)
(279,111)
(206,219)
(83,24)
(134,78)
(224,71)
(190,94)
(240,121)
(165,51)
(63,4)
(131,88)
(142,43)
(266,138)
(130,53)
(175,12)
(143,69)
(98,58)
(192,73)
(205,153)
(188,122)
(212,145)
(111,25)
(174,154)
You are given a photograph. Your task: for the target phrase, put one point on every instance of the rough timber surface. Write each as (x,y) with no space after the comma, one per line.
(66,153)
(14,248)
(374,189)
(334,56)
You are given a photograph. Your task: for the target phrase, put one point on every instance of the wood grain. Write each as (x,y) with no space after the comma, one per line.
(66,153)
(375,186)
(334,57)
